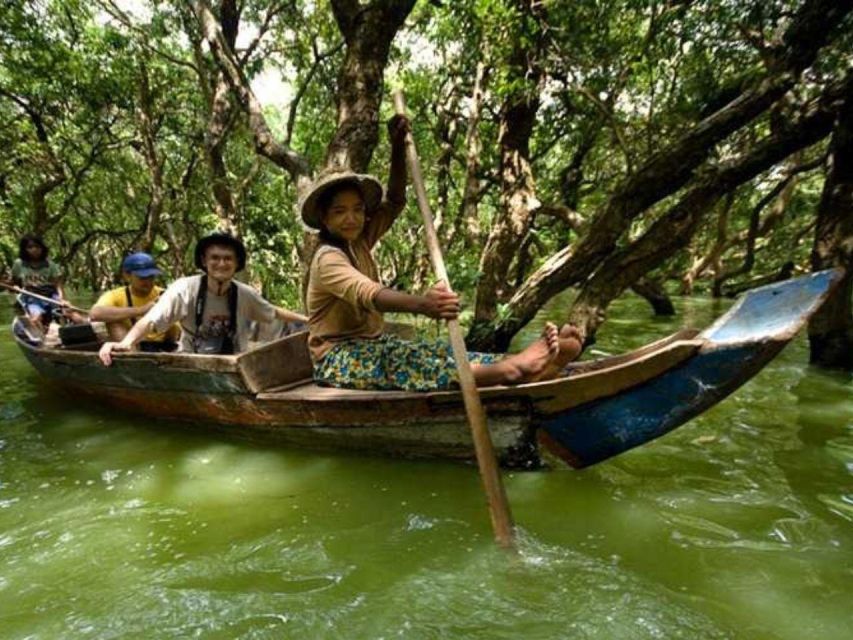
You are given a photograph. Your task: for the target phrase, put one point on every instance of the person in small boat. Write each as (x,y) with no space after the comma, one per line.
(346,300)
(120,308)
(213,309)
(35,272)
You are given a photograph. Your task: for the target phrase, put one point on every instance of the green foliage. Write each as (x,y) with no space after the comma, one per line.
(622,80)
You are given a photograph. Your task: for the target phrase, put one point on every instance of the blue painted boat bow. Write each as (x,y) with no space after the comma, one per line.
(736,347)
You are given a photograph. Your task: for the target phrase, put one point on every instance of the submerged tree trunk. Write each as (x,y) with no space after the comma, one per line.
(783,273)
(669,170)
(715,253)
(831,328)
(655,295)
(675,228)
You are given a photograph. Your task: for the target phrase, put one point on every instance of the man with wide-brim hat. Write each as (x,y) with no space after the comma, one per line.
(119,308)
(222,239)
(214,310)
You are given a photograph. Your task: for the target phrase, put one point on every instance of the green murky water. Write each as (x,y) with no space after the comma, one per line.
(737,525)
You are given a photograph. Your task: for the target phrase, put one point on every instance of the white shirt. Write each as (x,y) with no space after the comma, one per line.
(177,304)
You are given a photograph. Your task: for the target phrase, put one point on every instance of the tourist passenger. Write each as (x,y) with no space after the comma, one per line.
(36,273)
(213,309)
(346,299)
(121,307)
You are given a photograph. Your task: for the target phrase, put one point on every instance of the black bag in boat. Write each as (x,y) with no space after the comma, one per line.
(80,334)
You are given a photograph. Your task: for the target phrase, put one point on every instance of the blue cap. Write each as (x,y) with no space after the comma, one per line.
(141,265)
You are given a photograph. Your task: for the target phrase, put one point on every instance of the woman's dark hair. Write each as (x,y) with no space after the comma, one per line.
(31,238)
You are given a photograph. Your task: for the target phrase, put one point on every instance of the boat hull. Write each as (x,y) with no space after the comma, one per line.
(598,410)
(216,400)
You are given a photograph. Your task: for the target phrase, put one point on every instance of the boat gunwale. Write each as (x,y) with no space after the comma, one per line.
(534,391)
(196,362)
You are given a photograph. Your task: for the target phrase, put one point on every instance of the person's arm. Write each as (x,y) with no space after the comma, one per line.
(55,275)
(17,276)
(105,313)
(289,316)
(260,309)
(439,302)
(170,307)
(395,195)
(136,333)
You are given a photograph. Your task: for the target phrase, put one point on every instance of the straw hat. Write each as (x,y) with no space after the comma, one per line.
(370,187)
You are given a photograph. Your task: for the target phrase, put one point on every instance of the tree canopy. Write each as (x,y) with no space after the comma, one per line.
(668,146)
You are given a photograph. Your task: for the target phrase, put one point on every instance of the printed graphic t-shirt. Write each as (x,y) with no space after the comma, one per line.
(177,304)
(40,278)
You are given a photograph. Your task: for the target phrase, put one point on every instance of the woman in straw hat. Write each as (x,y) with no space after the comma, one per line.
(346,299)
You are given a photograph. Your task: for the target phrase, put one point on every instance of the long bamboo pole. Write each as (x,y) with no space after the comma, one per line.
(12,287)
(498,505)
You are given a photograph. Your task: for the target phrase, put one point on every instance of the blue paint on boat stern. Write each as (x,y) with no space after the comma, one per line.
(604,428)
(774,310)
(738,346)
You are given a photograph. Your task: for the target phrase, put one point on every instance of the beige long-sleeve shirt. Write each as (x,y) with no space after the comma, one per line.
(340,294)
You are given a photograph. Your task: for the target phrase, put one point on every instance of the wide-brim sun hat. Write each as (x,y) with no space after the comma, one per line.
(370,188)
(223,239)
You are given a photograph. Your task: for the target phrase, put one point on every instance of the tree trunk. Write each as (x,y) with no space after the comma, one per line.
(445,134)
(214,146)
(669,170)
(712,258)
(673,231)
(368,31)
(655,295)
(518,196)
(265,143)
(831,328)
(783,273)
(55,172)
(468,221)
(148,134)
(214,88)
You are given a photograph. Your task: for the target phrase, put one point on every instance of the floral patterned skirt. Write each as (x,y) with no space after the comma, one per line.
(389,362)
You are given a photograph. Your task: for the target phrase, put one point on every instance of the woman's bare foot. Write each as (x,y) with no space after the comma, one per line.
(534,360)
(570,344)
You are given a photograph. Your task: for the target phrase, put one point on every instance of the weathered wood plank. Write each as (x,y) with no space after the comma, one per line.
(281,362)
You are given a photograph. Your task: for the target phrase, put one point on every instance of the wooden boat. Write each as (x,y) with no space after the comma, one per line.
(600,408)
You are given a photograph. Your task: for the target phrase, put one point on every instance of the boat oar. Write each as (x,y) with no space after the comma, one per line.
(495,493)
(12,287)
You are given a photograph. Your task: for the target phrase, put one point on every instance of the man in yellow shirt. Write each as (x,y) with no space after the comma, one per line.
(120,308)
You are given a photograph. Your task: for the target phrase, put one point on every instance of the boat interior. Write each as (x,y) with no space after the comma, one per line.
(263,375)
